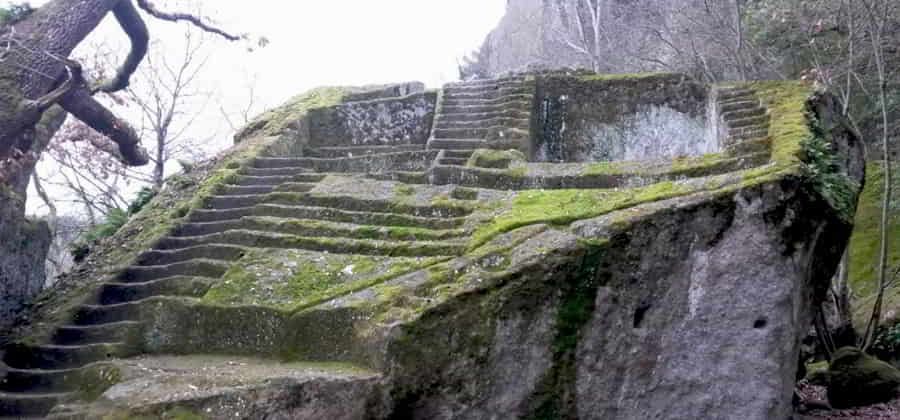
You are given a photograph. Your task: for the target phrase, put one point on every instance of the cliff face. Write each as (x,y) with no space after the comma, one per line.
(506,265)
(540,34)
(23,250)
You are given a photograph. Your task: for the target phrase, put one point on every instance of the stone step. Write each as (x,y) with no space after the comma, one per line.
(274,177)
(744,113)
(318,228)
(35,380)
(114,293)
(748,147)
(22,405)
(444,133)
(749,133)
(97,315)
(102,333)
(444,122)
(476,133)
(482,83)
(351,151)
(514,113)
(258,239)
(329,214)
(457,144)
(522,106)
(458,154)
(732,93)
(227,202)
(246,189)
(297,187)
(339,164)
(491,92)
(161,257)
(761,121)
(344,202)
(453,161)
(406,177)
(731,106)
(196,267)
(55,356)
(286,192)
(449,102)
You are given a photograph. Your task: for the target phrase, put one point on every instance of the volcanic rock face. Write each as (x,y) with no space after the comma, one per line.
(515,262)
(23,249)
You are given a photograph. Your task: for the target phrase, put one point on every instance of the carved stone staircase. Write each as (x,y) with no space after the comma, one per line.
(745,120)
(272,204)
(491,114)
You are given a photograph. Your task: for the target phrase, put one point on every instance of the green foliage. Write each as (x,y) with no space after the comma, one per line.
(143,197)
(114,220)
(887,342)
(828,179)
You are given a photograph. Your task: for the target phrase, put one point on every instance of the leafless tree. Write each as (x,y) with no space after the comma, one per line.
(37,73)
(877,19)
(583,29)
(244,112)
(169,101)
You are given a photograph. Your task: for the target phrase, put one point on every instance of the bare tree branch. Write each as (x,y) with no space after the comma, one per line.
(194,20)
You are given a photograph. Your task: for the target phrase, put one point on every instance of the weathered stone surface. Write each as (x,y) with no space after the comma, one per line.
(632,117)
(231,388)
(379,122)
(23,250)
(475,283)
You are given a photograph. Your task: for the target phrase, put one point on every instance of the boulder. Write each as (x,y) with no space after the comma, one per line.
(857,379)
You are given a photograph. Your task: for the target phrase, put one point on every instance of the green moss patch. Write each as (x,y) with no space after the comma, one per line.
(497,159)
(561,207)
(289,279)
(866,241)
(789,123)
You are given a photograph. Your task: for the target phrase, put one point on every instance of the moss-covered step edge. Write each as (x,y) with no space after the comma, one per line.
(321,228)
(182,194)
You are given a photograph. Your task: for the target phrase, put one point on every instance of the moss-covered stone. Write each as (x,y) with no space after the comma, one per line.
(296,279)
(856,379)
(497,159)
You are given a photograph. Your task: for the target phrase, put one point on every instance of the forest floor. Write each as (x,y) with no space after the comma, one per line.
(888,410)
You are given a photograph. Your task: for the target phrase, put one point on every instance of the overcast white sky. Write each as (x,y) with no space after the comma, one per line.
(325,42)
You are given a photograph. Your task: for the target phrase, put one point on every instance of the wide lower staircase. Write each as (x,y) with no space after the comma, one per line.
(491,114)
(272,204)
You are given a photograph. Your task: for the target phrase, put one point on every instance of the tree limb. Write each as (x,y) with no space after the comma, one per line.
(83,106)
(148,7)
(136,29)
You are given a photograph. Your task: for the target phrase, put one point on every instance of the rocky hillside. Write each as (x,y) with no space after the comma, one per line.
(536,246)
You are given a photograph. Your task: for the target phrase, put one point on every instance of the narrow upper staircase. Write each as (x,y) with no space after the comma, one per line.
(745,118)
(491,114)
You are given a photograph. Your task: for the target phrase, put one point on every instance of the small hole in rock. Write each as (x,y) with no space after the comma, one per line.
(760,323)
(639,314)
